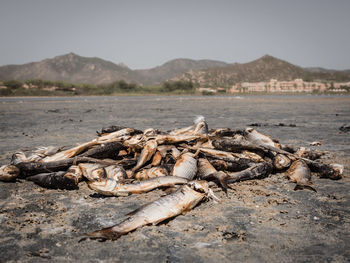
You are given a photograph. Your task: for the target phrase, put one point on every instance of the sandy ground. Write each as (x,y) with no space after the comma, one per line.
(258,221)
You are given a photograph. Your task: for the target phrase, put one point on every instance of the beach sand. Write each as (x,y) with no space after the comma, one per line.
(258,221)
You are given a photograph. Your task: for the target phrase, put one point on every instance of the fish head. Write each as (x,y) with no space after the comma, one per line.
(8,172)
(102,185)
(338,171)
(249,130)
(18,157)
(201,128)
(200,186)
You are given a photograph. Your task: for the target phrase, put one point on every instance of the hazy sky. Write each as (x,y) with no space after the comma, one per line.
(144,34)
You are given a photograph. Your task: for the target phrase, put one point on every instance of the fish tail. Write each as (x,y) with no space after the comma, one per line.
(301,187)
(198,119)
(102,235)
(222,178)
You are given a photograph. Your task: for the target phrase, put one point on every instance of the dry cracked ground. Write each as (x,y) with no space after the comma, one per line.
(257,221)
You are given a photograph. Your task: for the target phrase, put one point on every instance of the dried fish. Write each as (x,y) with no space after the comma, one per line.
(185,199)
(151,173)
(185,166)
(146,154)
(300,173)
(257,171)
(281,162)
(8,173)
(110,187)
(56,180)
(257,138)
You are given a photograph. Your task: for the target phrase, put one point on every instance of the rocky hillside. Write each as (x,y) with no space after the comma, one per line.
(175,68)
(71,68)
(262,69)
(78,69)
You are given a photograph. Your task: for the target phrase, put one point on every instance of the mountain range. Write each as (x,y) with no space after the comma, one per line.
(78,69)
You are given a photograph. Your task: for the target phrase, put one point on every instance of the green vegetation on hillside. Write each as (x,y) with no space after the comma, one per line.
(39,87)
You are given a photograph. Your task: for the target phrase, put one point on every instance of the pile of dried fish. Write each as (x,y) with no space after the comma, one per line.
(123,161)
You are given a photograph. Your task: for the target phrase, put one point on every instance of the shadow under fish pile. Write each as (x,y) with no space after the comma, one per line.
(122,161)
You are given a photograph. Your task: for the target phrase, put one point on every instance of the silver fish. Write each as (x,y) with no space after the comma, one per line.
(115,172)
(146,154)
(260,139)
(185,166)
(70,152)
(92,171)
(113,188)
(120,135)
(151,173)
(229,156)
(185,199)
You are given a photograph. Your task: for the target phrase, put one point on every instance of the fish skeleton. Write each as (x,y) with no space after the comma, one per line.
(113,188)
(169,206)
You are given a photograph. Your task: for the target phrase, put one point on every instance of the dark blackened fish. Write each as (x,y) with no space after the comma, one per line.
(232,166)
(257,171)
(236,143)
(107,150)
(55,180)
